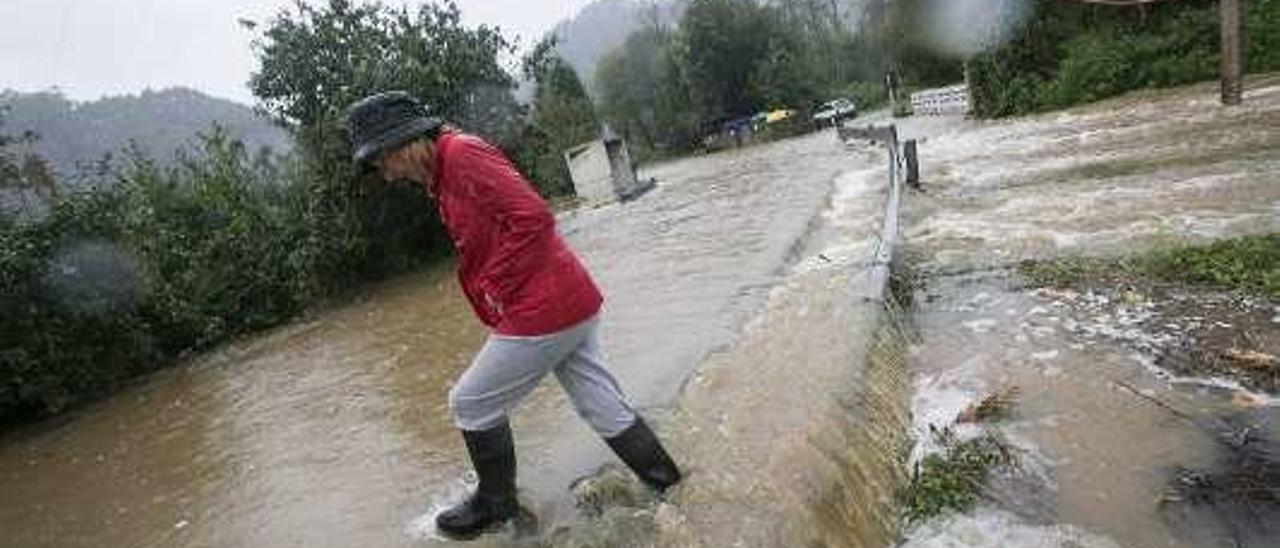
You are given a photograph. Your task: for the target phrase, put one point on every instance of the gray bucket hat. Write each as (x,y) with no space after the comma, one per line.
(384,121)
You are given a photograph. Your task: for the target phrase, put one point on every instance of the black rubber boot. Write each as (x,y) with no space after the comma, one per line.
(494,456)
(643,453)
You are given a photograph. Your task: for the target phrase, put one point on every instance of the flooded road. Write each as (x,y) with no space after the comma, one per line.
(334,431)
(1097,462)
(795,433)
(1151,168)
(736,319)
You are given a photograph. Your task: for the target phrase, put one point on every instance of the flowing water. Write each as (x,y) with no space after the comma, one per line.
(334,431)
(737,319)
(794,434)
(1124,175)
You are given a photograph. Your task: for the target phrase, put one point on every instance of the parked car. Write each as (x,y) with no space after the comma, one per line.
(832,112)
(778,115)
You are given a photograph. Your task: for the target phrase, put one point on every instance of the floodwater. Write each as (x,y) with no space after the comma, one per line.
(1095,459)
(1143,170)
(334,431)
(795,433)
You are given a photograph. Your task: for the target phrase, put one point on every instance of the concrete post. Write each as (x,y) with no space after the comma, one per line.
(1232,65)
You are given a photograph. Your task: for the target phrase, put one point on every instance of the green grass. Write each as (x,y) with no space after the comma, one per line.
(1249,264)
(952,481)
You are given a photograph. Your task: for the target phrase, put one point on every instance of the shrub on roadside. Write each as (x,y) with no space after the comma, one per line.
(865,95)
(1072,53)
(115,280)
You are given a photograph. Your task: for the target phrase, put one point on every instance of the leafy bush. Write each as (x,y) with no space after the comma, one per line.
(951,481)
(1072,54)
(116,280)
(146,264)
(315,59)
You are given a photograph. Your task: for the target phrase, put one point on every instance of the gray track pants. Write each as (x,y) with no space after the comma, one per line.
(508,368)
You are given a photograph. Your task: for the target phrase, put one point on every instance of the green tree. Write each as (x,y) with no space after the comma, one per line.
(786,77)
(1071,53)
(722,45)
(562,117)
(316,60)
(627,80)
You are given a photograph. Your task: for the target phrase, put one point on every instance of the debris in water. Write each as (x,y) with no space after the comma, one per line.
(1241,490)
(610,487)
(995,406)
(954,479)
(1252,359)
(1245,400)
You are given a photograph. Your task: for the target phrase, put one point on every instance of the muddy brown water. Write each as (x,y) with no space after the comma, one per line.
(334,431)
(1132,174)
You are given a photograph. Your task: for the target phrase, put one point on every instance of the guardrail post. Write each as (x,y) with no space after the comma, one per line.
(878,274)
(913,164)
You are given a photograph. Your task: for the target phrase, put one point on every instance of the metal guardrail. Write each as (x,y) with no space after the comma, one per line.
(948,100)
(883,258)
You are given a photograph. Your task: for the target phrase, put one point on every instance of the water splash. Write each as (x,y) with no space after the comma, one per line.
(988,527)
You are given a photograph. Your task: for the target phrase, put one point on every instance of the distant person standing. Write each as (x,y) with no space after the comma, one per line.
(524,283)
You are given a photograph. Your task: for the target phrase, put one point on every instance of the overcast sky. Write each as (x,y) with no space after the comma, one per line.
(91,48)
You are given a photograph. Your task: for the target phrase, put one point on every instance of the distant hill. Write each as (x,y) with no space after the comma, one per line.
(605,24)
(159,122)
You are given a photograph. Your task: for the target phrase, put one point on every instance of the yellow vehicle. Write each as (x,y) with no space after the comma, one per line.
(778,115)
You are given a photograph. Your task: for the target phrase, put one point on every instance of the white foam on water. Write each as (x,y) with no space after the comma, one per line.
(852,186)
(847,219)
(1260,92)
(1045,356)
(988,527)
(423,527)
(981,325)
(936,402)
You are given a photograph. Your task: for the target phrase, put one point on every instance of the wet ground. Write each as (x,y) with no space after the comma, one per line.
(334,431)
(792,434)
(1110,423)
(1150,168)
(737,320)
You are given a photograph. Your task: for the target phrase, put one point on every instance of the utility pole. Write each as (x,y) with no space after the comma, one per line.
(1232,64)
(890,75)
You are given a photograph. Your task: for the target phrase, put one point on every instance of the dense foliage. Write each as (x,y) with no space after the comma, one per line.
(667,87)
(145,262)
(562,117)
(317,60)
(104,283)
(1072,53)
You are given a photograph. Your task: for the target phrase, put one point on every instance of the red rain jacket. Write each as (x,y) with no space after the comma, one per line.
(520,276)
